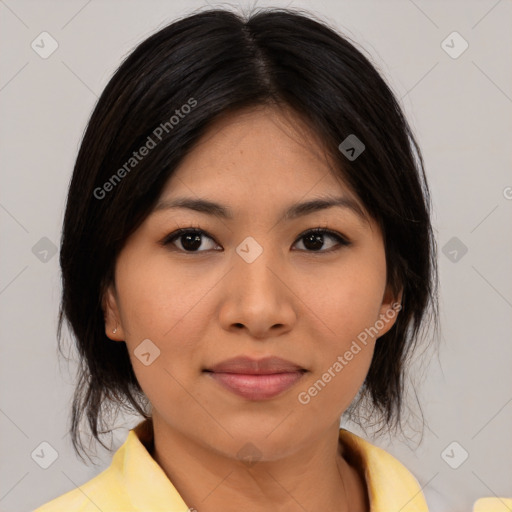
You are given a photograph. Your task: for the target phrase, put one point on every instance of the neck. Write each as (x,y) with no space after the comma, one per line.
(319,476)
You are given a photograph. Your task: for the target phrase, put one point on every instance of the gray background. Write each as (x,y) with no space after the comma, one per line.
(460,111)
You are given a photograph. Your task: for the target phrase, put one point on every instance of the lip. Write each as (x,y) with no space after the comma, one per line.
(257,387)
(256,379)
(249,366)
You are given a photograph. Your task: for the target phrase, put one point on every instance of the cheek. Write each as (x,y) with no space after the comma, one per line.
(346,308)
(157,301)
(348,299)
(169,308)
(157,305)
(343,354)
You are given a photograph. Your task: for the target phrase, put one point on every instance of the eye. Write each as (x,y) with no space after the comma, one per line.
(314,240)
(191,240)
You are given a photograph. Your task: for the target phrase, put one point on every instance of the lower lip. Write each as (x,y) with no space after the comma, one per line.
(257,387)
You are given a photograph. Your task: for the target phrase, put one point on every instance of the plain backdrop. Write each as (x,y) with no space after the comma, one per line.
(460,109)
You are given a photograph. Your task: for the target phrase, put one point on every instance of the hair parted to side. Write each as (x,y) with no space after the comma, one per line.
(226,62)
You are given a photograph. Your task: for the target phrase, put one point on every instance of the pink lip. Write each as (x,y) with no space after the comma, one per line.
(257,387)
(249,366)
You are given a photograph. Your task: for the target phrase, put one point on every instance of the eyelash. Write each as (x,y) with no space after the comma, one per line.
(342,240)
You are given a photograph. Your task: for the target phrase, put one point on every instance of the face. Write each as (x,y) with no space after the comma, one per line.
(251,280)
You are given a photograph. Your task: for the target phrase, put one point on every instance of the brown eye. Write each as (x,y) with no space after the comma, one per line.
(189,239)
(314,240)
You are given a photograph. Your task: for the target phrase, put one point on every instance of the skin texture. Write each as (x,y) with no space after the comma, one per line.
(294,302)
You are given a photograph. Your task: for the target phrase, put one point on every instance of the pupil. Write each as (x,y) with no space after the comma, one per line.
(316,239)
(194,239)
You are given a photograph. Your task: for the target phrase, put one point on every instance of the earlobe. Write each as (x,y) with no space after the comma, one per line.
(113,328)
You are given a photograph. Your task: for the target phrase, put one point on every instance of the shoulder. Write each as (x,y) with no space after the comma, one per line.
(105,491)
(389,483)
(99,493)
(493,505)
(133,482)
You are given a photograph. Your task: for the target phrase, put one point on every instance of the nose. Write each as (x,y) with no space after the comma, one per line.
(258,297)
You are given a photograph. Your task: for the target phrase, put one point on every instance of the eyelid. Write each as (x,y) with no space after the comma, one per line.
(335,234)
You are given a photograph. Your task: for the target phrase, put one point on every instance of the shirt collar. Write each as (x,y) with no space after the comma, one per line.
(145,481)
(390,485)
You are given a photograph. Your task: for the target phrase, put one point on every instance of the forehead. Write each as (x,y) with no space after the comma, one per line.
(260,152)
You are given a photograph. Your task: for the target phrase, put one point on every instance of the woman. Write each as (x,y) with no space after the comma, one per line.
(247,256)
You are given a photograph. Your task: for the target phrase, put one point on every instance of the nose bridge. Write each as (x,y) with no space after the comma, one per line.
(256,263)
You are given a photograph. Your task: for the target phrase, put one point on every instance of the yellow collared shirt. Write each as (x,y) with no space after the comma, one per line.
(134,482)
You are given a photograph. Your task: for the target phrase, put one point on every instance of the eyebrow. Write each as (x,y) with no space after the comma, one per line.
(293,212)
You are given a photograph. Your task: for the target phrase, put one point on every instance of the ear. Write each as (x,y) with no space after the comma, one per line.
(389,310)
(111,315)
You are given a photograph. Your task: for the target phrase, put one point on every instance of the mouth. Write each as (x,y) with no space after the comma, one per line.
(256,386)
(256,379)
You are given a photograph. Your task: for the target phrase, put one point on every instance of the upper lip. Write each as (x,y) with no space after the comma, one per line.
(249,366)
